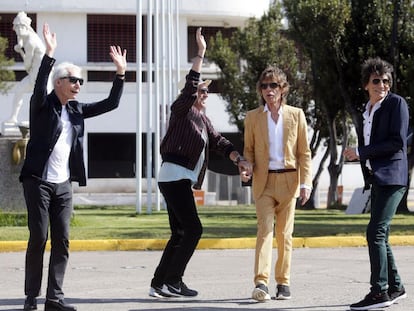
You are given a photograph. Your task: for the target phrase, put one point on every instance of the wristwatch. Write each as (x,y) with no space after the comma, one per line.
(238,159)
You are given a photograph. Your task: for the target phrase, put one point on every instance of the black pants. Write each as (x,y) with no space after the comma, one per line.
(47,202)
(186,230)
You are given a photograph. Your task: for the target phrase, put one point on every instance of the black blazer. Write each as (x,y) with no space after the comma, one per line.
(46,126)
(387,151)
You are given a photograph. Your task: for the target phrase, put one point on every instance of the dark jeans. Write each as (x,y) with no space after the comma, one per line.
(384,203)
(186,230)
(47,202)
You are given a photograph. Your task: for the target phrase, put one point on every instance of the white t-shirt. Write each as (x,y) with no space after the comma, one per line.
(58,164)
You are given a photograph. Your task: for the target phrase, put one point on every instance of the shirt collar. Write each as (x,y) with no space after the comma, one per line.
(266,109)
(375,107)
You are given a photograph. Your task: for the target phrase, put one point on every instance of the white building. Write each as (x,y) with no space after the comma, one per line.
(85,29)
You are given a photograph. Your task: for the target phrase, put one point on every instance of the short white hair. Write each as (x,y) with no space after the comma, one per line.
(62,70)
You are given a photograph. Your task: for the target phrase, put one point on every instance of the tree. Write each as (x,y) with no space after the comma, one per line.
(5,74)
(243,58)
(322,51)
(319,27)
(389,35)
(338,36)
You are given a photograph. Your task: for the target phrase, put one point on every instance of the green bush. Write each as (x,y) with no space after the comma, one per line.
(14,219)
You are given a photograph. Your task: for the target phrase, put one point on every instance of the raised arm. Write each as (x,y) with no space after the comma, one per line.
(201,44)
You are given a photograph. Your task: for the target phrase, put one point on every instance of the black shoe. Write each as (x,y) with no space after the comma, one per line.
(261,293)
(283,292)
(178,289)
(30,303)
(396,295)
(60,305)
(372,301)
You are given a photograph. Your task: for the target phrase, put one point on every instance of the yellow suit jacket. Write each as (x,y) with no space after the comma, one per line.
(296,147)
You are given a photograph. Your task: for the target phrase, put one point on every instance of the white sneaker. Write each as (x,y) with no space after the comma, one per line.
(157,292)
(261,293)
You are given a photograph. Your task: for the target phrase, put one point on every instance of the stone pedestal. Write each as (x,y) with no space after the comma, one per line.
(11,191)
(10,129)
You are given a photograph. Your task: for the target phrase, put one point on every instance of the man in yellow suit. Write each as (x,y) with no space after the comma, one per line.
(276,144)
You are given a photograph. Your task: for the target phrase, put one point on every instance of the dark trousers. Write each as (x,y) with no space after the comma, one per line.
(384,203)
(186,230)
(47,202)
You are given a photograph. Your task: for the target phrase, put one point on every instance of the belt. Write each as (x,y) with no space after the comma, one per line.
(283,170)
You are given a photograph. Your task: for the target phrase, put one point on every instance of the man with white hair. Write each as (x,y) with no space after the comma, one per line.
(54,159)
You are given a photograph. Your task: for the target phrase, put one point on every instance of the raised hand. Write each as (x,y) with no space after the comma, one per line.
(119,58)
(201,42)
(50,40)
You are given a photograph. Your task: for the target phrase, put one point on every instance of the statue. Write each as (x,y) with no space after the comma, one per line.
(31,48)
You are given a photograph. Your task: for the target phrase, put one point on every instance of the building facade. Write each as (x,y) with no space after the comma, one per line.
(85,29)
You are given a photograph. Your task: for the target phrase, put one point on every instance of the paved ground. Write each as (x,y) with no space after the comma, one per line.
(323,279)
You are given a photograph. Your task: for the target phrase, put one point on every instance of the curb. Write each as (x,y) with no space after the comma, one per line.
(233,243)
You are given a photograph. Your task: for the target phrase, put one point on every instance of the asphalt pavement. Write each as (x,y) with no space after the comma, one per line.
(322,279)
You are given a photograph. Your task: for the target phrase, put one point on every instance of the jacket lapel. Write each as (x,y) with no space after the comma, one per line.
(264,131)
(287,124)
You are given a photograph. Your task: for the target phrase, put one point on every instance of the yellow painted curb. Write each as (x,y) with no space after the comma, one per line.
(402,240)
(94,245)
(142,244)
(328,241)
(297,243)
(229,243)
(13,246)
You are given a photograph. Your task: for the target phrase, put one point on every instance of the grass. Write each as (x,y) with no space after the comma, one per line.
(122,222)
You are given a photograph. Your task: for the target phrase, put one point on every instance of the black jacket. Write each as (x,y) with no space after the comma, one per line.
(46,126)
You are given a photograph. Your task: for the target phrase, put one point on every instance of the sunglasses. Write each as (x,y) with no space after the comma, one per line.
(272,85)
(384,81)
(74,80)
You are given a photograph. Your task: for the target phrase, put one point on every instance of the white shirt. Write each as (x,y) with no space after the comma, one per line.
(173,172)
(58,164)
(275,132)
(368,117)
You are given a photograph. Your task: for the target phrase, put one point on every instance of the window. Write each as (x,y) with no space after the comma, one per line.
(208,33)
(106,30)
(192,50)
(113,155)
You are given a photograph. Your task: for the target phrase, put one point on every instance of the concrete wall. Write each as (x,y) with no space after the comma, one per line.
(11,192)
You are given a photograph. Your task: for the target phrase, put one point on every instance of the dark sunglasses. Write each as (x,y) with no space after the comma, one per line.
(384,81)
(204,91)
(74,80)
(272,85)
